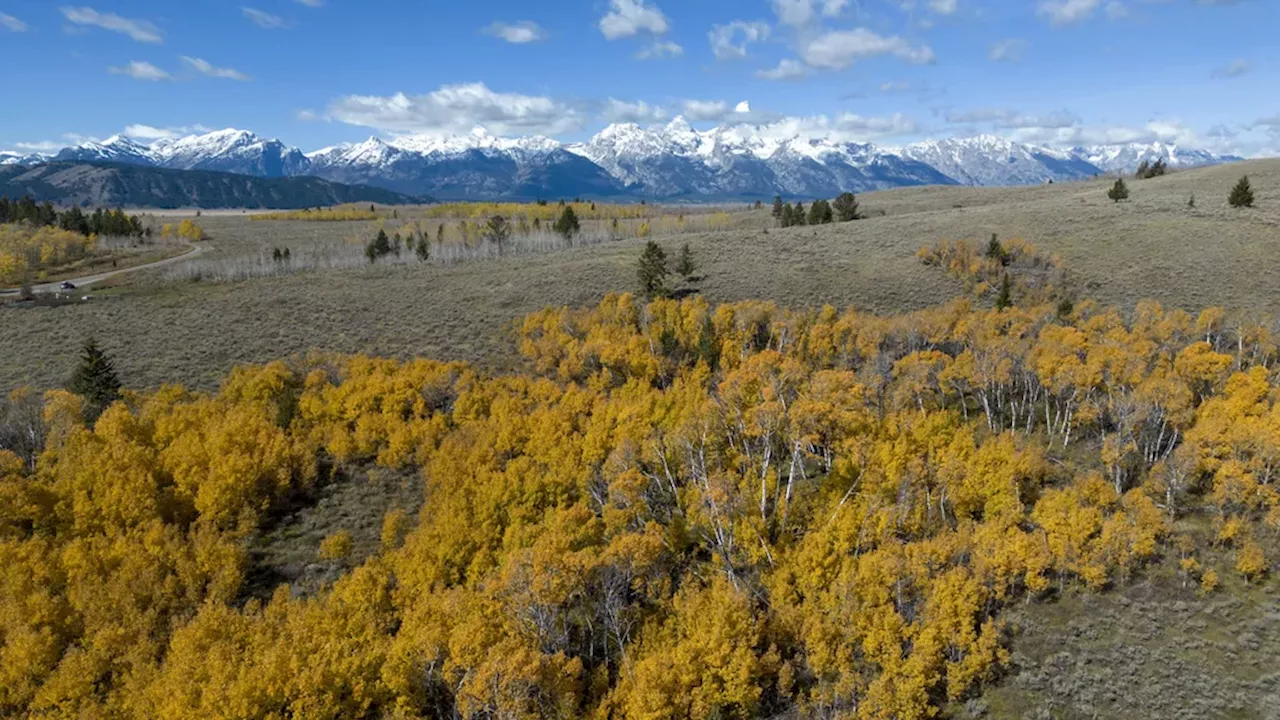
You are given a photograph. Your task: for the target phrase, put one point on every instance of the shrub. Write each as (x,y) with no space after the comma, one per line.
(337,546)
(1119,191)
(1242,194)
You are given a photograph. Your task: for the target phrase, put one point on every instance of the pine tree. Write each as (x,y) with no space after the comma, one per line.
(567,224)
(652,271)
(423,250)
(798,217)
(787,217)
(685,266)
(1191,202)
(820,213)
(1142,171)
(1119,191)
(995,251)
(379,248)
(95,380)
(778,209)
(846,207)
(1005,299)
(1242,195)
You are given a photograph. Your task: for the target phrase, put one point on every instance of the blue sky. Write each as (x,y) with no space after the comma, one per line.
(318,72)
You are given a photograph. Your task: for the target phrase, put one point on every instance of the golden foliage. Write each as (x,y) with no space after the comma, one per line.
(25,250)
(679,511)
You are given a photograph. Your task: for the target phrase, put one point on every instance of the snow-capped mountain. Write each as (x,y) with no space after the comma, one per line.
(990,160)
(674,161)
(116,148)
(473,166)
(15,158)
(235,151)
(1126,158)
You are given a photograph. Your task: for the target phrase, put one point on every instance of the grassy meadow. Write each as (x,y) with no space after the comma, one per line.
(193,321)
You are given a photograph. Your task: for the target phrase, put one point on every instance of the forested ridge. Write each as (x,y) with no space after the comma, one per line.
(678,511)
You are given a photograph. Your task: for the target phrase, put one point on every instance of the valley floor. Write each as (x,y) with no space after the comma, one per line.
(1153,246)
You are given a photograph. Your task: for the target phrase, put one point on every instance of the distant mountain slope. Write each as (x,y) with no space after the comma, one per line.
(663,162)
(124,185)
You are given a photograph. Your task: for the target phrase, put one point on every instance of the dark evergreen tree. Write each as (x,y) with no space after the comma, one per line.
(820,213)
(1004,300)
(846,207)
(1242,194)
(995,251)
(685,265)
(567,225)
(652,271)
(95,380)
(778,209)
(1142,170)
(798,216)
(379,248)
(423,250)
(1119,191)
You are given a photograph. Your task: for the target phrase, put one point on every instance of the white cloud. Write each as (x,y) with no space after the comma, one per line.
(264,20)
(627,18)
(308,115)
(44,146)
(205,68)
(944,7)
(1236,69)
(705,110)
(518,33)
(660,49)
(141,71)
(456,109)
(833,8)
(730,41)
(847,127)
(742,107)
(796,13)
(1166,131)
(840,49)
(786,70)
(1067,12)
(148,133)
(1009,51)
(619,111)
(1011,119)
(140,30)
(11,23)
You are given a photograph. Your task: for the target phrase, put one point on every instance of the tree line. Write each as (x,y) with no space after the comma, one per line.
(101,222)
(844,208)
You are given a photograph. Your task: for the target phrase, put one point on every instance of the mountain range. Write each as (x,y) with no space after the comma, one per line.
(672,162)
(121,184)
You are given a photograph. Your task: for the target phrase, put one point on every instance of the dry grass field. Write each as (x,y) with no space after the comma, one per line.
(163,330)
